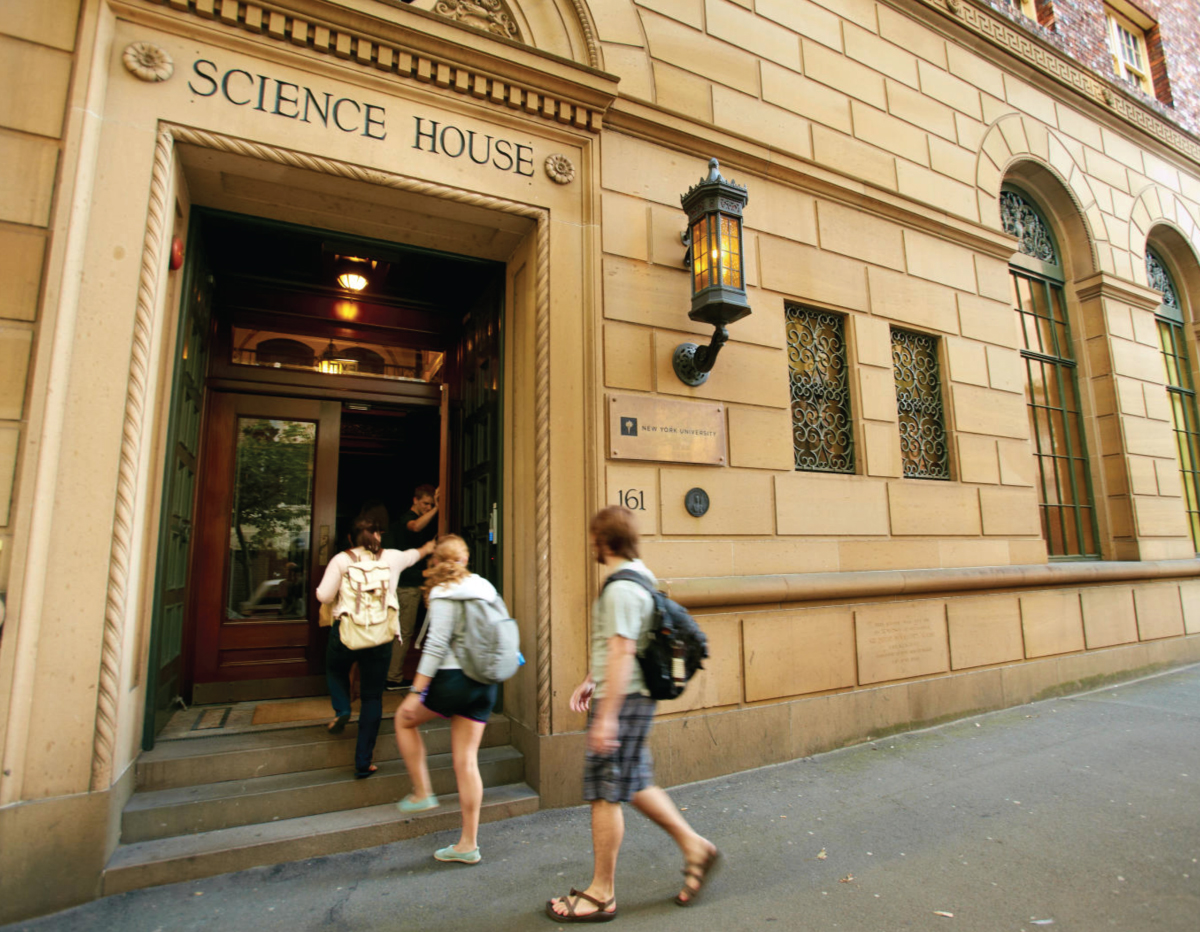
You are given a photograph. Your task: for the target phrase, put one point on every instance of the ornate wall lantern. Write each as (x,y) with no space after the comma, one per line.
(714,240)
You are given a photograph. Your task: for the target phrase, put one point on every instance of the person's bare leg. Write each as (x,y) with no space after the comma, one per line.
(411,746)
(465,736)
(654,803)
(608,830)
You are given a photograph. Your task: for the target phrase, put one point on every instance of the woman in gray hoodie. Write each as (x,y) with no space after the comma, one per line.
(442,689)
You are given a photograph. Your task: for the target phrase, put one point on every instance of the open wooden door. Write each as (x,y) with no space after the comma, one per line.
(478,447)
(166,672)
(267,507)
(444,464)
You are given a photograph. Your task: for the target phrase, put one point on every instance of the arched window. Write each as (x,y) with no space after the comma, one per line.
(365,360)
(1063,479)
(284,352)
(1180,387)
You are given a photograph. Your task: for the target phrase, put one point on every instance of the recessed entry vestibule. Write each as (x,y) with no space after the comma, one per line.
(317,365)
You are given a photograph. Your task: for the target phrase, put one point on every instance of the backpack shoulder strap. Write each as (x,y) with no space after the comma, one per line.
(632,576)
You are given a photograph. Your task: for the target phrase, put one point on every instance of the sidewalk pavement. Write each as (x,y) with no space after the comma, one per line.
(1075,814)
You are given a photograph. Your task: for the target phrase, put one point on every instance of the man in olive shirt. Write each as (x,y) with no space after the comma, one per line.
(418,526)
(618,767)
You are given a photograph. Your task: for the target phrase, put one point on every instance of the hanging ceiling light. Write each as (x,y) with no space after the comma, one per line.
(352,272)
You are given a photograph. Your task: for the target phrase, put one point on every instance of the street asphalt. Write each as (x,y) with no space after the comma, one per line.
(1075,814)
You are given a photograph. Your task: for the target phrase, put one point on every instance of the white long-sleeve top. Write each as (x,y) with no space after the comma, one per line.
(397,560)
(445,611)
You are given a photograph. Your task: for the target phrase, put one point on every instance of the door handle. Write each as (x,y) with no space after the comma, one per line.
(494,525)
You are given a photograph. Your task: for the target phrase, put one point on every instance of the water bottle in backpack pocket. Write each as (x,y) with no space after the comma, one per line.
(676,647)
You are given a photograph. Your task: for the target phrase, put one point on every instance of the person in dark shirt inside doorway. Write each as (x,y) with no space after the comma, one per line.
(417,527)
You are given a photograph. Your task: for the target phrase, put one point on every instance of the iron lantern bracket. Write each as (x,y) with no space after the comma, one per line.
(693,363)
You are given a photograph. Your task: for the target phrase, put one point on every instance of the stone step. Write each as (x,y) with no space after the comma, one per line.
(208,807)
(188,857)
(221,758)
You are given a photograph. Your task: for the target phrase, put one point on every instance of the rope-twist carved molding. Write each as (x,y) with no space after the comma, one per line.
(542,475)
(128,477)
(589,32)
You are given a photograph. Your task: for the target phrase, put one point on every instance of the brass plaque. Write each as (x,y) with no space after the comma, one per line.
(665,429)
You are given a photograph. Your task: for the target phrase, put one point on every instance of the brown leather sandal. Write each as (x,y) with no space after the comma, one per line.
(701,872)
(602,913)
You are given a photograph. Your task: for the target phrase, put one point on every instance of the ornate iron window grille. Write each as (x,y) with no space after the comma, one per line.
(1160,280)
(1024,221)
(1180,389)
(1063,478)
(923,448)
(822,430)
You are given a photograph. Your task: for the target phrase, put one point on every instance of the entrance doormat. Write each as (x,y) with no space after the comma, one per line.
(314,709)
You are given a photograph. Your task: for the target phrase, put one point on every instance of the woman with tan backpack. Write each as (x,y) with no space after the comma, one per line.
(360,584)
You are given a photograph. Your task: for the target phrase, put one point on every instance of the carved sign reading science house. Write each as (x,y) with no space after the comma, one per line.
(276,98)
(666,430)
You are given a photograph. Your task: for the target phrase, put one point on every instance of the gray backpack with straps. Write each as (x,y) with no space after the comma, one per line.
(487,640)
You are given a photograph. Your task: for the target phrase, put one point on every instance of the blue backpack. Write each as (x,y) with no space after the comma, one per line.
(676,647)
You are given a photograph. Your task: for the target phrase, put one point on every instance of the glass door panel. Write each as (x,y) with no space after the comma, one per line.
(271,522)
(268,499)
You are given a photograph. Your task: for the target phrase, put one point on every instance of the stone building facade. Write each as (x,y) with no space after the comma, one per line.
(949,462)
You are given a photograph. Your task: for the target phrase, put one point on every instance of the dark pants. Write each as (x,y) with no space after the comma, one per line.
(372,675)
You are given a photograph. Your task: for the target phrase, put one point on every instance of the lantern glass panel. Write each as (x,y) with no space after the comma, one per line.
(701,267)
(731,252)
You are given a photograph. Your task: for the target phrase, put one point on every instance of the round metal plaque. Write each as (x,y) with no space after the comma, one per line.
(696,502)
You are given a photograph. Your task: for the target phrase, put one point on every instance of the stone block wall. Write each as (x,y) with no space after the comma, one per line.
(36,46)
(788,682)
(895,103)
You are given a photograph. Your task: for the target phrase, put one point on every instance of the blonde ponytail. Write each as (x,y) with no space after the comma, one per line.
(447,564)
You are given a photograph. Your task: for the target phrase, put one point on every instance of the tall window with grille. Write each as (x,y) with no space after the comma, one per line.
(924,452)
(1180,387)
(822,430)
(1063,479)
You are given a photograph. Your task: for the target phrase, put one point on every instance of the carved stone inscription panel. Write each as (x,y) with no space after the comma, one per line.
(896,642)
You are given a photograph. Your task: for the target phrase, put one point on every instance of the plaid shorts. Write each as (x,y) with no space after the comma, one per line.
(616,777)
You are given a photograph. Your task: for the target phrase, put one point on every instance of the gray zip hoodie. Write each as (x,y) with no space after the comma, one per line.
(438,652)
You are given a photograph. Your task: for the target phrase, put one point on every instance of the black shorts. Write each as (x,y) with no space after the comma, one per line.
(452,692)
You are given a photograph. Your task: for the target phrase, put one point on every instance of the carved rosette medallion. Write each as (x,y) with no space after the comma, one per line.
(953,6)
(560,169)
(489,15)
(148,62)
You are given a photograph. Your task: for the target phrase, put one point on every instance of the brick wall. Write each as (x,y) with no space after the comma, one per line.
(1078,28)
(1177,22)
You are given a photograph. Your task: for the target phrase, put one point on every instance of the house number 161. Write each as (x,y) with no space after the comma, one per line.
(633,499)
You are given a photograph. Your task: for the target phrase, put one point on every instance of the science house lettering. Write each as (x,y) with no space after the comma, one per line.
(288,100)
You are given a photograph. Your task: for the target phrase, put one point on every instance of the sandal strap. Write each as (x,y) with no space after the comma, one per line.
(587,896)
